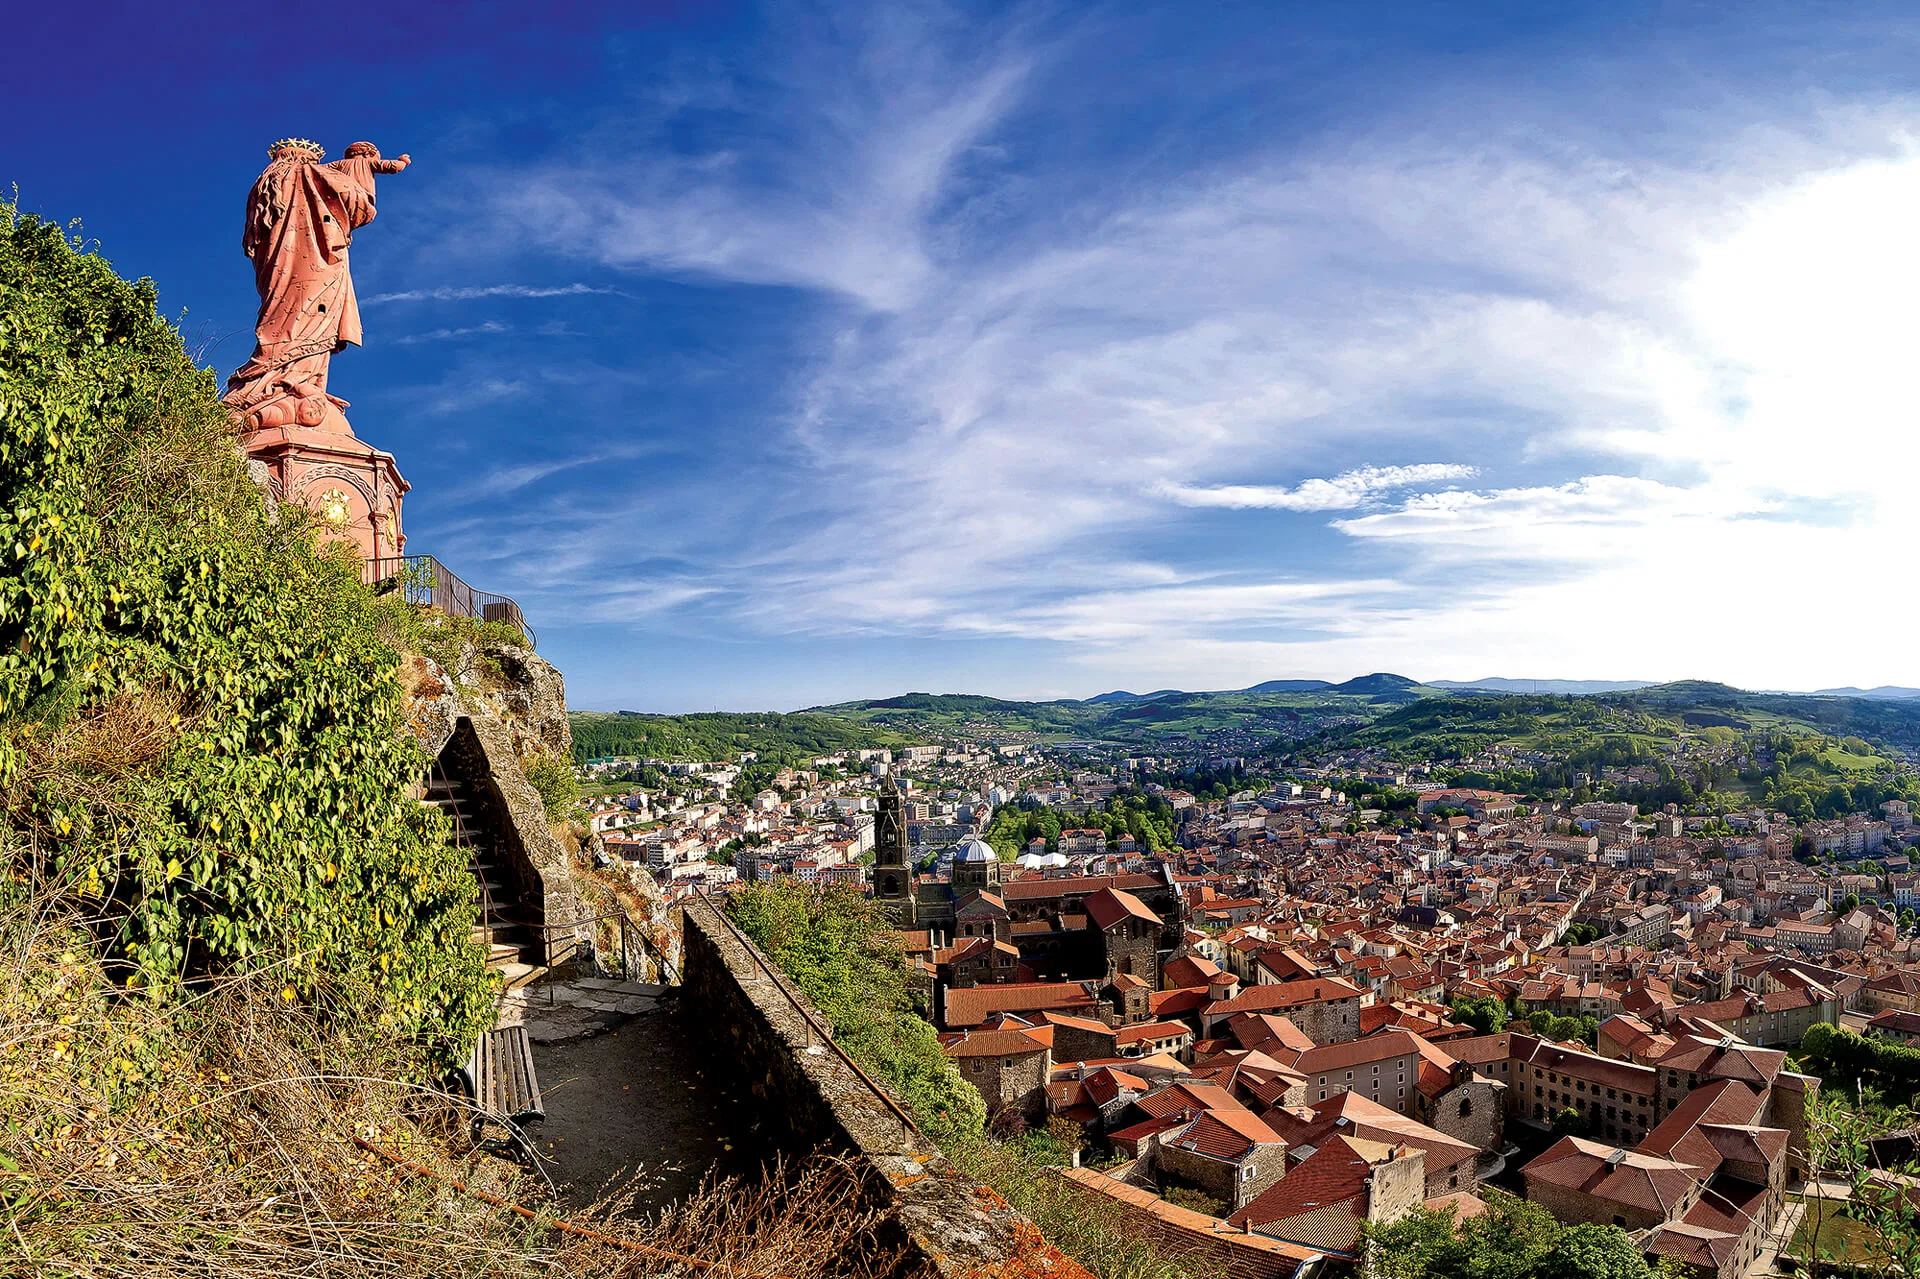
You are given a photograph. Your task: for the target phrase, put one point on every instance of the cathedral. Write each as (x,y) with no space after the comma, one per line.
(1110,928)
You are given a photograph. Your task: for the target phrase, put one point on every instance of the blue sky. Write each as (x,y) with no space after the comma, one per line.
(774,355)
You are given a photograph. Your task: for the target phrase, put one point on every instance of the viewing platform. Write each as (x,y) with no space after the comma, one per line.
(422,579)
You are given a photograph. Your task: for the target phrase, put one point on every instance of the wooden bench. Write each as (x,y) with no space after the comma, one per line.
(501,1084)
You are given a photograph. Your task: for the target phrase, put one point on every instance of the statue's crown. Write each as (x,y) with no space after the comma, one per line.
(303,144)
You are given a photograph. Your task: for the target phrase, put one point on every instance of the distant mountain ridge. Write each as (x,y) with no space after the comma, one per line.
(1502,684)
(1404,711)
(1374,685)
(1884,692)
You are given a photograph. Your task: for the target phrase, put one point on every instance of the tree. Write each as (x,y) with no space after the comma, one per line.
(1849,903)
(1589,1251)
(1513,1239)
(1486,1014)
(1570,1123)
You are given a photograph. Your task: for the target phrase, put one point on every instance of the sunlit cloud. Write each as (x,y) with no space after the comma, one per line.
(1341,493)
(1183,424)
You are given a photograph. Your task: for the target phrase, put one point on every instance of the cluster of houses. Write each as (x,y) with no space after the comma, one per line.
(1299,1103)
(1255,1032)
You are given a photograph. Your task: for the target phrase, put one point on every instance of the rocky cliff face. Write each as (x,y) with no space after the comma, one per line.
(511,686)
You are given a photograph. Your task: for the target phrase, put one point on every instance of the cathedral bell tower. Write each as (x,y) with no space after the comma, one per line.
(892,857)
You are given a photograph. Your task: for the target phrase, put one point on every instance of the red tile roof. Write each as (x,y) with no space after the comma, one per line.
(971,1006)
(1024,890)
(1635,1177)
(1286,994)
(1109,908)
(994,1043)
(1338,1172)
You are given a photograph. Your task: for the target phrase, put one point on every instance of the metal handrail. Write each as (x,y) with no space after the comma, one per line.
(422,579)
(627,928)
(463,839)
(806,1015)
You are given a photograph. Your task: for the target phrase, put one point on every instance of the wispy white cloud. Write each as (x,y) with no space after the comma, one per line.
(1341,493)
(834,184)
(1022,381)
(452,335)
(469,293)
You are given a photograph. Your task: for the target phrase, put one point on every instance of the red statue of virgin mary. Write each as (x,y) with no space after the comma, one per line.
(301,216)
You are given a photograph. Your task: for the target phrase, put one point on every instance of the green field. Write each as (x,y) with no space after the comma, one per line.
(1842,1238)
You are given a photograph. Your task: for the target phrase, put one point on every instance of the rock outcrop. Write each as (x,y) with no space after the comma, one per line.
(514,687)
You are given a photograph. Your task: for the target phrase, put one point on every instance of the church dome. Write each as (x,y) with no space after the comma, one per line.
(975,850)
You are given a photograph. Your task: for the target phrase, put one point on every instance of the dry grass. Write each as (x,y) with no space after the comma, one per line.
(216,1138)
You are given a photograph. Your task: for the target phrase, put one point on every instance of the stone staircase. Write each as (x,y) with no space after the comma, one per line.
(504,928)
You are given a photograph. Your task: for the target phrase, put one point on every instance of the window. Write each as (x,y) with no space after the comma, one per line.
(1466,1107)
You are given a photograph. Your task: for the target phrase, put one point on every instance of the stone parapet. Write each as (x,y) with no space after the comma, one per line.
(811,1099)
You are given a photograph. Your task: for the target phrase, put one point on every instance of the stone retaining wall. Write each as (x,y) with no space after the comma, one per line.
(810,1099)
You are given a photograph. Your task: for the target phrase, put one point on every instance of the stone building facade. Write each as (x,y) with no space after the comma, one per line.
(1327,1009)
(1009,1067)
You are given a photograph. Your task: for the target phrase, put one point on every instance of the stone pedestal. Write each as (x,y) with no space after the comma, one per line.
(353,488)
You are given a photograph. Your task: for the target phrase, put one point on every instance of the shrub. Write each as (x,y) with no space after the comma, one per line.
(559,788)
(838,947)
(201,732)
(213,1138)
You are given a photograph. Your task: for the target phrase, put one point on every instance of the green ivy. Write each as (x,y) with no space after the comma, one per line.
(201,729)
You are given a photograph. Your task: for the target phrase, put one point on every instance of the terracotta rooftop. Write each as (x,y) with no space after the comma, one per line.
(1286,994)
(1030,889)
(994,1043)
(1337,1173)
(971,1006)
(1634,1177)
(1200,1230)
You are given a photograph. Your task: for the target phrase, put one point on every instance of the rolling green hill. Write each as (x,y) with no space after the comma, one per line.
(1140,719)
(1754,745)
(777,739)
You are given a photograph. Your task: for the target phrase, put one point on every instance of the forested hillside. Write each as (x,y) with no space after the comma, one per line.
(777,739)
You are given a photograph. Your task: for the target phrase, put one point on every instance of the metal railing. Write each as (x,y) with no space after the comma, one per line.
(422,579)
(557,951)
